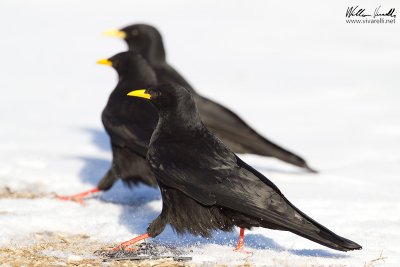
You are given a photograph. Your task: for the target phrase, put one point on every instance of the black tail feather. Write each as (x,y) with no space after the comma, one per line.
(323,235)
(329,239)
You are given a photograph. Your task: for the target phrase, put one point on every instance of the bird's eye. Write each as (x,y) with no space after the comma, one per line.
(135,32)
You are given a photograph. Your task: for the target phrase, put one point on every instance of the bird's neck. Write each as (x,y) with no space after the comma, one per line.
(179,124)
(153,53)
(137,79)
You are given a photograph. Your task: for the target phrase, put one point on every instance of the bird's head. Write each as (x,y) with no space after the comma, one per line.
(130,64)
(141,38)
(171,100)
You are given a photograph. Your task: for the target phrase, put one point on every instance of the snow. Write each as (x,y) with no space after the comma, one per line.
(295,70)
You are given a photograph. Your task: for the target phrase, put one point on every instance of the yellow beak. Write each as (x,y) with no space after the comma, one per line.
(104,61)
(115,33)
(140,93)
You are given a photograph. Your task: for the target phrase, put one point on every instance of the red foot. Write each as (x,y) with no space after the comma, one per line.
(241,250)
(240,244)
(126,244)
(80,198)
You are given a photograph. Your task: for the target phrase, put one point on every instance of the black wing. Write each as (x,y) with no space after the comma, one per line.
(212,175)
(129,122)
(239,136)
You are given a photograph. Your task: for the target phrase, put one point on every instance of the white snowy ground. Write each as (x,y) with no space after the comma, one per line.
(296,71)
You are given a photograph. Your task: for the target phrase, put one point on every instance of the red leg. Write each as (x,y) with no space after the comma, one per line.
(128,243)
(79,197)
(240,243)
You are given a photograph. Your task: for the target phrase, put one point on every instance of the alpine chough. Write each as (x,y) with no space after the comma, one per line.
(206,187)
(128,123)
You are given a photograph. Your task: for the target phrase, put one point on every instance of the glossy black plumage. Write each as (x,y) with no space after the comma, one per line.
(129,123)
(228,126)
(206,187)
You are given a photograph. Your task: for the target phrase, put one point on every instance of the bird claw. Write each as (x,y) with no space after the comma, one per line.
(80,200)
(241,250)
(125,245)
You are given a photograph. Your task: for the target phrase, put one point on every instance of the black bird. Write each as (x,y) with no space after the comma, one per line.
(227,125)
(206,187)
(128,123)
